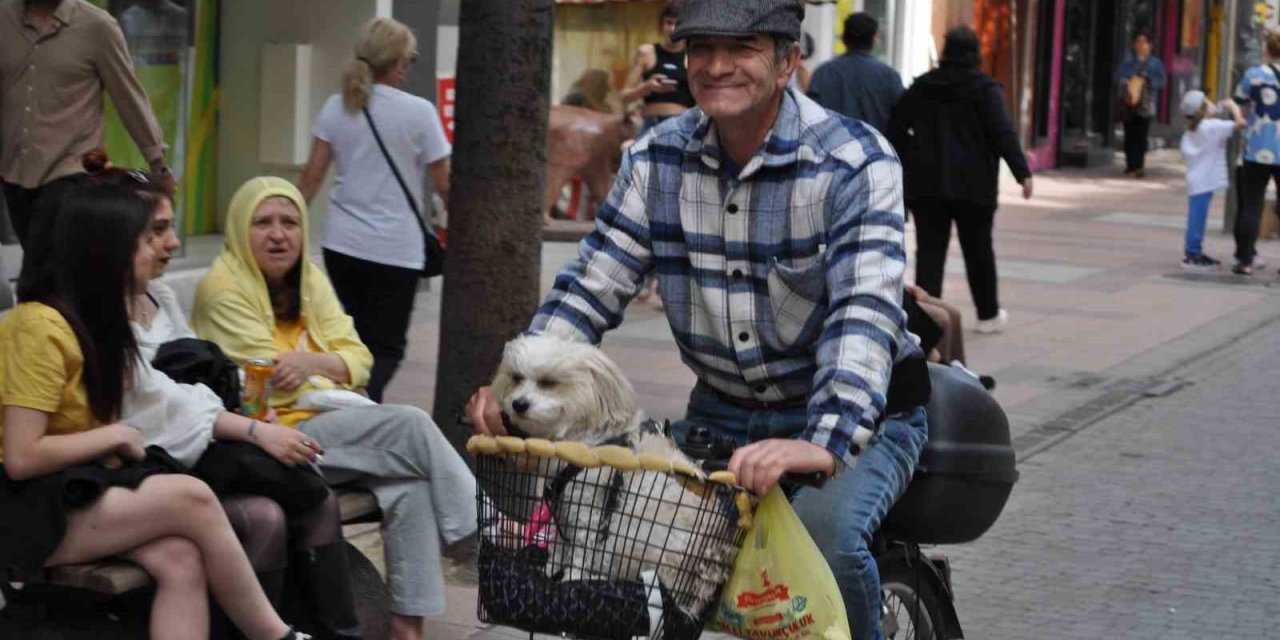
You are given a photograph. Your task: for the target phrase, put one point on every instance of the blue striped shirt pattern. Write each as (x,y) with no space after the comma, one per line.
(780,282)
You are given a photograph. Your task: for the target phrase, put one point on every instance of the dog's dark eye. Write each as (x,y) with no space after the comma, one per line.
(517,378)
(546,383)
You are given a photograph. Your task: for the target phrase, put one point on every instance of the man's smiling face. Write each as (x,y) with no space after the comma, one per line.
(734,75)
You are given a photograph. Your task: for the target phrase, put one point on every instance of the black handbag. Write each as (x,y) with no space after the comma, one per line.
(196,361)
(433,262)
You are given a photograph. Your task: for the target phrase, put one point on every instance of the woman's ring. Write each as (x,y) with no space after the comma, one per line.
(306,443)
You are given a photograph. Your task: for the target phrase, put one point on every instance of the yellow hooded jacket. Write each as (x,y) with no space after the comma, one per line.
(233,308)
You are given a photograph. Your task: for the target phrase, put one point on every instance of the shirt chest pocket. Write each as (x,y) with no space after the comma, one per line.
(798,298)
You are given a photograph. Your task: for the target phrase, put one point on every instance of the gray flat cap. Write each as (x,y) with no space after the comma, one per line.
(740,18)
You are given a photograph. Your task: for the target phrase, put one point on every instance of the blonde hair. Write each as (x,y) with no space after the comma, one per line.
(592,89)
(383,43)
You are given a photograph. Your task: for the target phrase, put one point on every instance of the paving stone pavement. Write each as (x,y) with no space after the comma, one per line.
(1159,521)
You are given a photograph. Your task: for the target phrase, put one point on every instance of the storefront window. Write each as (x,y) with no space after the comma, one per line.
(173,46)
(1252,20)
(1187,66)
(882,11)
(158,33)
(600,36)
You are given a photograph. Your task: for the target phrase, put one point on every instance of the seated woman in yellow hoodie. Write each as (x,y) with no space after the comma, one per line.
(263,298)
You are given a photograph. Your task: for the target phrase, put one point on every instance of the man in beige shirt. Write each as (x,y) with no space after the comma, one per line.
(56,57)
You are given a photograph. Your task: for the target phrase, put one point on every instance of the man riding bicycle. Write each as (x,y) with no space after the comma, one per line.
(776,231)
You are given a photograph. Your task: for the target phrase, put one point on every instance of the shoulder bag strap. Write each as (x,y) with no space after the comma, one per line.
(413,204)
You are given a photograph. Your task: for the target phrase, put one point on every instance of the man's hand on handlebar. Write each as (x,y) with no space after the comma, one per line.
(485,413)
(760,465)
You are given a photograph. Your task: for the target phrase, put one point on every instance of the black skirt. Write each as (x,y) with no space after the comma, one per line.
(33,513)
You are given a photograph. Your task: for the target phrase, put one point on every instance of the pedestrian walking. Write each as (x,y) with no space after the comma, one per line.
(775,227)
(56,58)
(857,84)
(1141,76)
(1259,94)
(951,129)
(1204,147)
(374,241)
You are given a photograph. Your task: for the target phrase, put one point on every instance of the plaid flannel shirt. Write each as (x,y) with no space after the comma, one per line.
(781,282)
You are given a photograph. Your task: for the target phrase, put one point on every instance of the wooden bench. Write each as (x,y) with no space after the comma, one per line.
(118,577)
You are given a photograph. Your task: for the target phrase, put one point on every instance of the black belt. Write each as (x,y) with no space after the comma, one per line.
(751,404)
(908,388)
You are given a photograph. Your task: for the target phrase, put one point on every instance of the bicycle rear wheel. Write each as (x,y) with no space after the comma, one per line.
(909,602)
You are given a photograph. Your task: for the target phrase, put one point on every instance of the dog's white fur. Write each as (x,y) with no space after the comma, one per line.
(563,390)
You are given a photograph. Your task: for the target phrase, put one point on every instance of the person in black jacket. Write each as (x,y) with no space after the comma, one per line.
(951,129)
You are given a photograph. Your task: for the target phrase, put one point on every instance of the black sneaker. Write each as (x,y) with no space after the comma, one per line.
(1199,262)
(1242,269)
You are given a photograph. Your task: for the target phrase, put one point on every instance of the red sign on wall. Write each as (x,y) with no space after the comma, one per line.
(448,98)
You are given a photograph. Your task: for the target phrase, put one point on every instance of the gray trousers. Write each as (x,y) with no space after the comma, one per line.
(426,492)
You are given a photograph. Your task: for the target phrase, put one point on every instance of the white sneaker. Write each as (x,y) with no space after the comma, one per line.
(993,325)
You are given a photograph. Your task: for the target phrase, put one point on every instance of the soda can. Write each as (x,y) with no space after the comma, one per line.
(257,388)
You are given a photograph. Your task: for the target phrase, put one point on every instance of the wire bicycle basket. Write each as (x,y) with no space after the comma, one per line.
(599,542)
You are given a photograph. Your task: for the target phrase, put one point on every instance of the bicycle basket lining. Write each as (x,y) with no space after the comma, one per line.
(594,550)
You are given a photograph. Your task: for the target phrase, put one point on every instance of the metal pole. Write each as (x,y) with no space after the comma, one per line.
(1235,147)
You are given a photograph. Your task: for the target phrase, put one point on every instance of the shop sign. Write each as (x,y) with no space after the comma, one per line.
(448,97)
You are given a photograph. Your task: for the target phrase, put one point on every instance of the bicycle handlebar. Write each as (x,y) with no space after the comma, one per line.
(714,451)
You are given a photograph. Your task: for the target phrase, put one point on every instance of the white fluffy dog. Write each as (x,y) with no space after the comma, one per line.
(564,390)
(611,523)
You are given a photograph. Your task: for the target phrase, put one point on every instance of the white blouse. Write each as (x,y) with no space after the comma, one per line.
(173,416)
(169,323)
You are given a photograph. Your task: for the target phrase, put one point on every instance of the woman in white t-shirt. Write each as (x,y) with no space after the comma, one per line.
(373,246)
(1204,146)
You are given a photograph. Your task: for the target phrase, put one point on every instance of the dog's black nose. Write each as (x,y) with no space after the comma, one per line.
(520,405)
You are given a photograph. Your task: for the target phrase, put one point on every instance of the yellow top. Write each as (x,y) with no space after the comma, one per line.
(233,308)
(291,335)
(40,368)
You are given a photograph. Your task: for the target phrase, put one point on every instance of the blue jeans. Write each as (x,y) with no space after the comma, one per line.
(844,514)
(1197,214)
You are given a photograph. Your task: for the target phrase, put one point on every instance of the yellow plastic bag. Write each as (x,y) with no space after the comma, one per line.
(781,587)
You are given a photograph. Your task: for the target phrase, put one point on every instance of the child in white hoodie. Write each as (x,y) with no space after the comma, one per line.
(1204,146)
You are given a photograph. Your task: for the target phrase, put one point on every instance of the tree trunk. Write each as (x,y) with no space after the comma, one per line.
(492,272)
